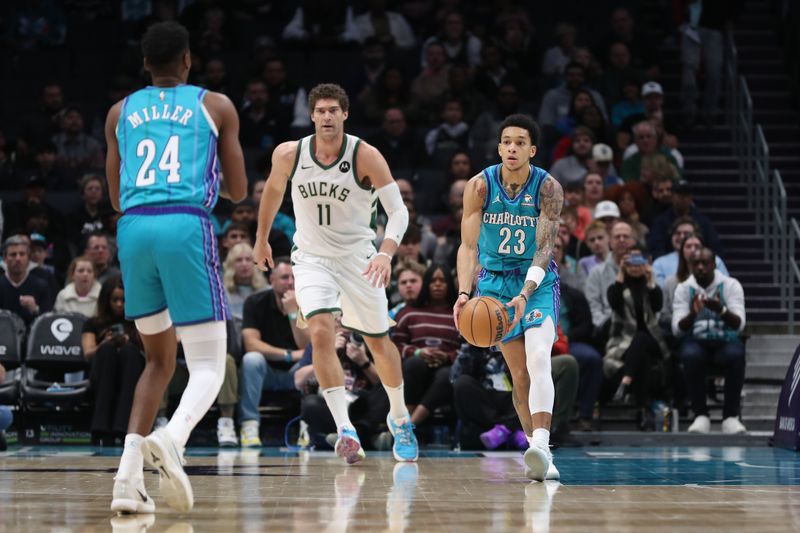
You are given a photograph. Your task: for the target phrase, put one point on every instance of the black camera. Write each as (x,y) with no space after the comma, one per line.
(117,330)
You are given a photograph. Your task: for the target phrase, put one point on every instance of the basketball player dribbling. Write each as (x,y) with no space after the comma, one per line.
(337,180)
(165,146)
(510,223)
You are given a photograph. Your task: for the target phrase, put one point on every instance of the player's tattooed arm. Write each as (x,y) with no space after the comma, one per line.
(551,200)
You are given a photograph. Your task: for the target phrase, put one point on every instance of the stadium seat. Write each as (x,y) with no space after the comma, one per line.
(12,332)
(54,348)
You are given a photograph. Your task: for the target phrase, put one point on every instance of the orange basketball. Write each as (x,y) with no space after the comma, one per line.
(483,321)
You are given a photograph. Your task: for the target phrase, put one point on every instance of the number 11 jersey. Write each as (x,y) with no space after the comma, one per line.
(335,213)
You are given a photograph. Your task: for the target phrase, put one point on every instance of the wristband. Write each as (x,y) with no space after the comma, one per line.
(523,295)
(365,365)
(385,254)
(535,274)
(465,293)
(292,316)
(417,352)
(287,356)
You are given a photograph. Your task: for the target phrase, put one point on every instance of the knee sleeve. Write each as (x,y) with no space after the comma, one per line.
(153,324)
(205,349)
(538,349)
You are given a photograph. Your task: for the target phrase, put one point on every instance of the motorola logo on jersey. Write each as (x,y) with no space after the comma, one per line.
(344,166)
(61,329)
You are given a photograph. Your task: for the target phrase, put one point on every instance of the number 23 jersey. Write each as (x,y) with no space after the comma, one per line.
(507,239)
(335,213)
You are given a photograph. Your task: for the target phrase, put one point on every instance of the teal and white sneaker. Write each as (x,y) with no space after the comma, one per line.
(405,446)
(348,446)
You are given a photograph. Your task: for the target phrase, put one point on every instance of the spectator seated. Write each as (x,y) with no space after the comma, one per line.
(12,331)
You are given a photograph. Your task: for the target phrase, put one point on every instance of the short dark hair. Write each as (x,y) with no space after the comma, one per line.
(164,42)
(413,234)
(711,252)
(328,91)
(680,221)
(519,120)
(239,226)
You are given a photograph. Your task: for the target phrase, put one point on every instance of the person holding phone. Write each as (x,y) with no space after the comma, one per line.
(635,338)
(114,349)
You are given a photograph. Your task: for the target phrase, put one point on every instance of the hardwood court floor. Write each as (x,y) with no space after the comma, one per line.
(603,489)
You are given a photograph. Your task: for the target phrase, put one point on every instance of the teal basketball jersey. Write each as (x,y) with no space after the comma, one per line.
(507,238)
(168,149)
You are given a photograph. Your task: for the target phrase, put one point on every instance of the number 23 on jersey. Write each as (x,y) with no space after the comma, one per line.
(509,240)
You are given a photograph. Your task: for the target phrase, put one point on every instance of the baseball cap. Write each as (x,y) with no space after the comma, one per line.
(636,260)
(37,239)
(682,187)
(602,153)
(652,87)
(606,208)
(34,181)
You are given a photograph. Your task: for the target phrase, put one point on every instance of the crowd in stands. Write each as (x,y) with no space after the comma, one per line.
(648,308)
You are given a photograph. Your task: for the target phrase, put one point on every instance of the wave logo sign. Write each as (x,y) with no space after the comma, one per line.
(61,329)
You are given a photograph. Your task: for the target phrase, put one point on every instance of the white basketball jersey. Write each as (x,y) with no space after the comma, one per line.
(334,213)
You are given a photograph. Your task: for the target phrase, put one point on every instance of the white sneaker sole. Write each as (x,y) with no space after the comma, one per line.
(536,463)
(174,483)
(126,505)
(552,473)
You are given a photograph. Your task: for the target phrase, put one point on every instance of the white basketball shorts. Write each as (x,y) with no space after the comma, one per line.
(335,284)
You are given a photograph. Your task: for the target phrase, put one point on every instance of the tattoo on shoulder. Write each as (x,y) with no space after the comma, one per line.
(480,186)
(551,198)
(551,201)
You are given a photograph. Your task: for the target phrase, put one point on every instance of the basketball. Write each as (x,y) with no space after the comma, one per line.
(483,321)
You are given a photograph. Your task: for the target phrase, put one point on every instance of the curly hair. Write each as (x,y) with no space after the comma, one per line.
(328,91)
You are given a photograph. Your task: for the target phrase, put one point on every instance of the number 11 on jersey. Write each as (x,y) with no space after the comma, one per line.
(326,219)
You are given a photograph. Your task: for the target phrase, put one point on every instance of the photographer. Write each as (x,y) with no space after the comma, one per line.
(368,403)
(635,338)
(113,347)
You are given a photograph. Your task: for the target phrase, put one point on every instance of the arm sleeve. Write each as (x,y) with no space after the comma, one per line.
(396,211)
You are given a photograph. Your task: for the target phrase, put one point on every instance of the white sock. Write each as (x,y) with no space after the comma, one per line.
(541,437)
(204,346)
(530,440)
(338,405)
(131,465)
(397,402)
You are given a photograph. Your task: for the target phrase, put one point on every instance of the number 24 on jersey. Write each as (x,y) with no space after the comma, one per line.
(169,162)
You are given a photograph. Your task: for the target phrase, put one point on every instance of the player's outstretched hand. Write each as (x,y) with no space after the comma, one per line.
(460,302)
(518,303)
(262,255)
(378,271)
